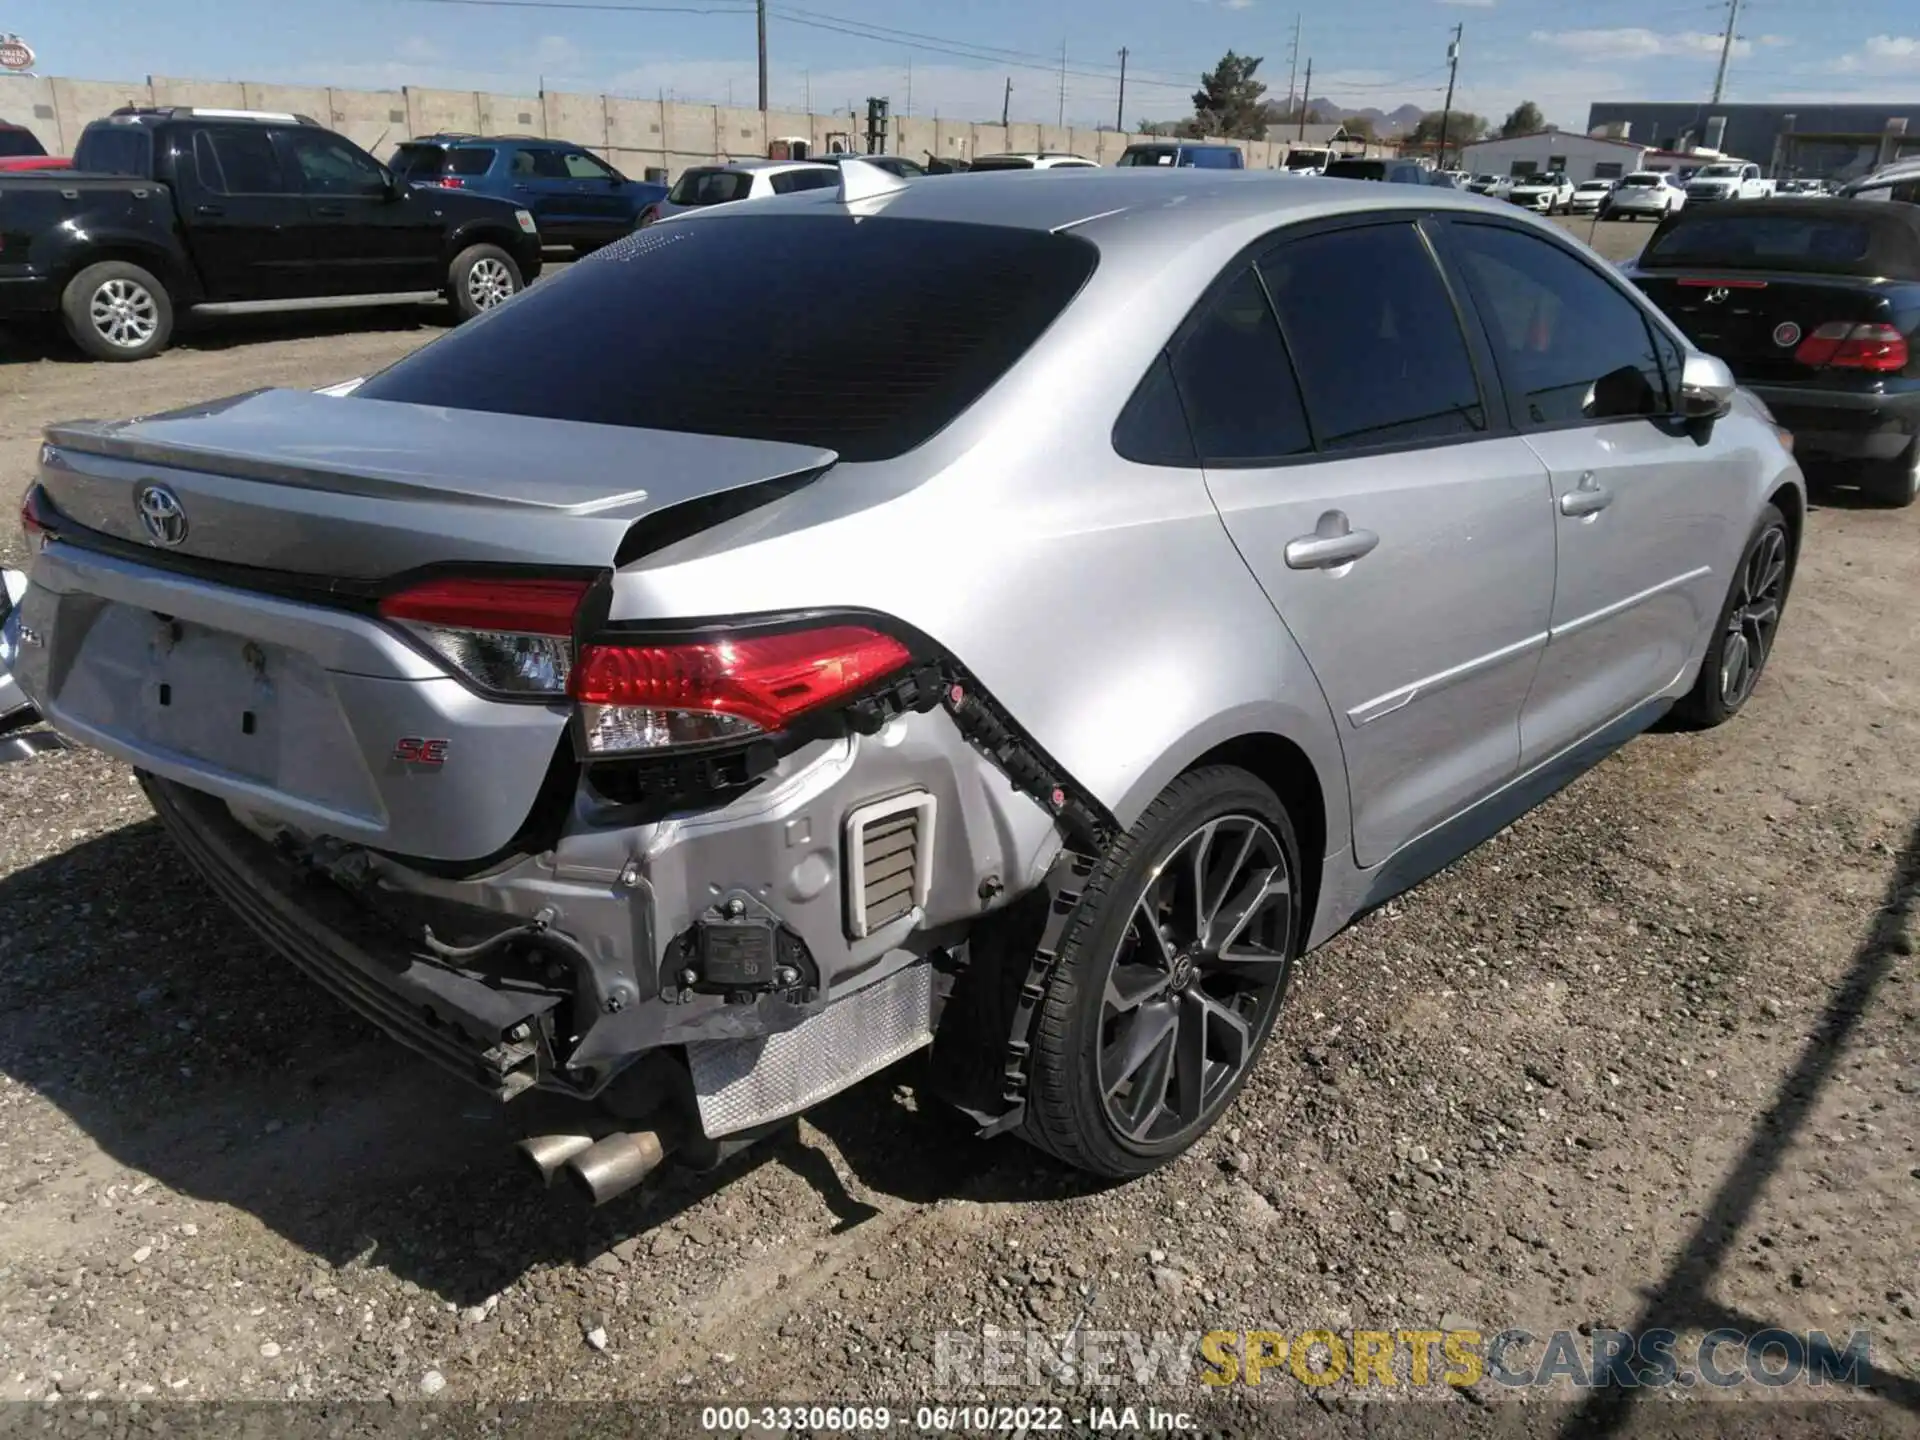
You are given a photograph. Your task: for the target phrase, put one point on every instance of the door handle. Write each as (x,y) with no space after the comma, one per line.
(1587,498)
(329,209)
(209,209)
(1333,543)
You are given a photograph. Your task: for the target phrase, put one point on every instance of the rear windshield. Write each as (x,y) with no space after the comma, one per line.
(20,142)
(1305,160)
(424,161)
(863,337)
(1764,242)
(1356,170)
(710,187)
(1642,181)
(115,150)
(1151,155)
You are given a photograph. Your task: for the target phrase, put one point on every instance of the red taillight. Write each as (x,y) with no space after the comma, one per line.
(452,182)
(31,524)
(508,636)
(529,607)
(1842,345)
(646,697)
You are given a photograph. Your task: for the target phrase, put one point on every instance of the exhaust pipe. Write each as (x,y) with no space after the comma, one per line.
(613,1166)
(547,1153)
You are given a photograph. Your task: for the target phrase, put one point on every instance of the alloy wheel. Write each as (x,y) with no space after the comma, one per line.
(1195,979)
(124,314)
(489,283)
(1755,618)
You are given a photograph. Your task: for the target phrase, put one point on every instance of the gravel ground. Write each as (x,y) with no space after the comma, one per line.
(1646,1058)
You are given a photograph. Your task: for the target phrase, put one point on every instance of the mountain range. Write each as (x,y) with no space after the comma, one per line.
(1397,121)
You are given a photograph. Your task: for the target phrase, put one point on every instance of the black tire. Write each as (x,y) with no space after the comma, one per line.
(481,277)
(1722,689)
(1894,483)
(1231,1002)
(117,311)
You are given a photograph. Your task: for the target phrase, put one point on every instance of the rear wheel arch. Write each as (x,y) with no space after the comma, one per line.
(1792,506)
(482,232)
(1285,769)
(182,288)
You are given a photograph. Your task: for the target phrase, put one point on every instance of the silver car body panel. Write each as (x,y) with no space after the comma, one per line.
(1130,618)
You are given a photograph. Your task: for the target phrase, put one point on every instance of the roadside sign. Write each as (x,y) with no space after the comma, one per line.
(15,53)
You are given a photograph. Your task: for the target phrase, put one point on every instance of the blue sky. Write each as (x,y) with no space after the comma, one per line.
(1365,52)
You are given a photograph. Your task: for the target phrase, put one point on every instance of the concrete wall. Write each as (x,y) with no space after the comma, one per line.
(631,134)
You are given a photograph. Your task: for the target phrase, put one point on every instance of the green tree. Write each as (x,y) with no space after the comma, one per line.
(1525,119)
(1229,100)
(1463,128)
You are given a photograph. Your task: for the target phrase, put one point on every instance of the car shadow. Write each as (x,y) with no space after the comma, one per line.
(1682,1300)
(45,341)
(184,1049)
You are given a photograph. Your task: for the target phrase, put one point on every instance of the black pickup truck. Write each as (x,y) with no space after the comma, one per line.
(225,211)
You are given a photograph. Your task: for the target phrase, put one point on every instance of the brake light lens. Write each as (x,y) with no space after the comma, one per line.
(652,697)
(508,636)
(1842,345)
(32,526)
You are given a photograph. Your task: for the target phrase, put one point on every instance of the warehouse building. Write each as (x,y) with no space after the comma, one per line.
(1832,142)
(1581,157)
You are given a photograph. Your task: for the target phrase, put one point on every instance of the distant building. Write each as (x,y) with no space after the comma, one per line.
(1582,157)
(1834,142)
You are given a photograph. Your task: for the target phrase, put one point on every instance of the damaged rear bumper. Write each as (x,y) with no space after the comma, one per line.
(456,1020)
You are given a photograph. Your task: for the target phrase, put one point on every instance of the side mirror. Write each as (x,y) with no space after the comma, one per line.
(1706,387)
(394,188)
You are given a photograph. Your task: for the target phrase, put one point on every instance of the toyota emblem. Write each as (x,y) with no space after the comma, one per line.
(1786,334)
(1718,295)
(161,513)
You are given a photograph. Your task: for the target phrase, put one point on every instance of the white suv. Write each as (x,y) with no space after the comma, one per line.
(1644,192)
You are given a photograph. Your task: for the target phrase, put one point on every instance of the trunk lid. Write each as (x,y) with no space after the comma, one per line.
(1755,321)
(344,488)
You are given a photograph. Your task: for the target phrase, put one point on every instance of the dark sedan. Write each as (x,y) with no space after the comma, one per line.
(1815,304)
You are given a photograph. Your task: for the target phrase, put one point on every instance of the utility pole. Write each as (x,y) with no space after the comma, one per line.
(806,77)
(1293,62)
(1306,99)
(909,87)
(1726,50)
(1005,101)
(1120,111)
(760,13)
(1062,120)
(1453,69)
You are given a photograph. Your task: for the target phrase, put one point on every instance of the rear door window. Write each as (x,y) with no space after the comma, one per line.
(1571,347)
(470,161)
(740,326)
(1236,383)
(107,149)
(239,160)
(1382,362)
